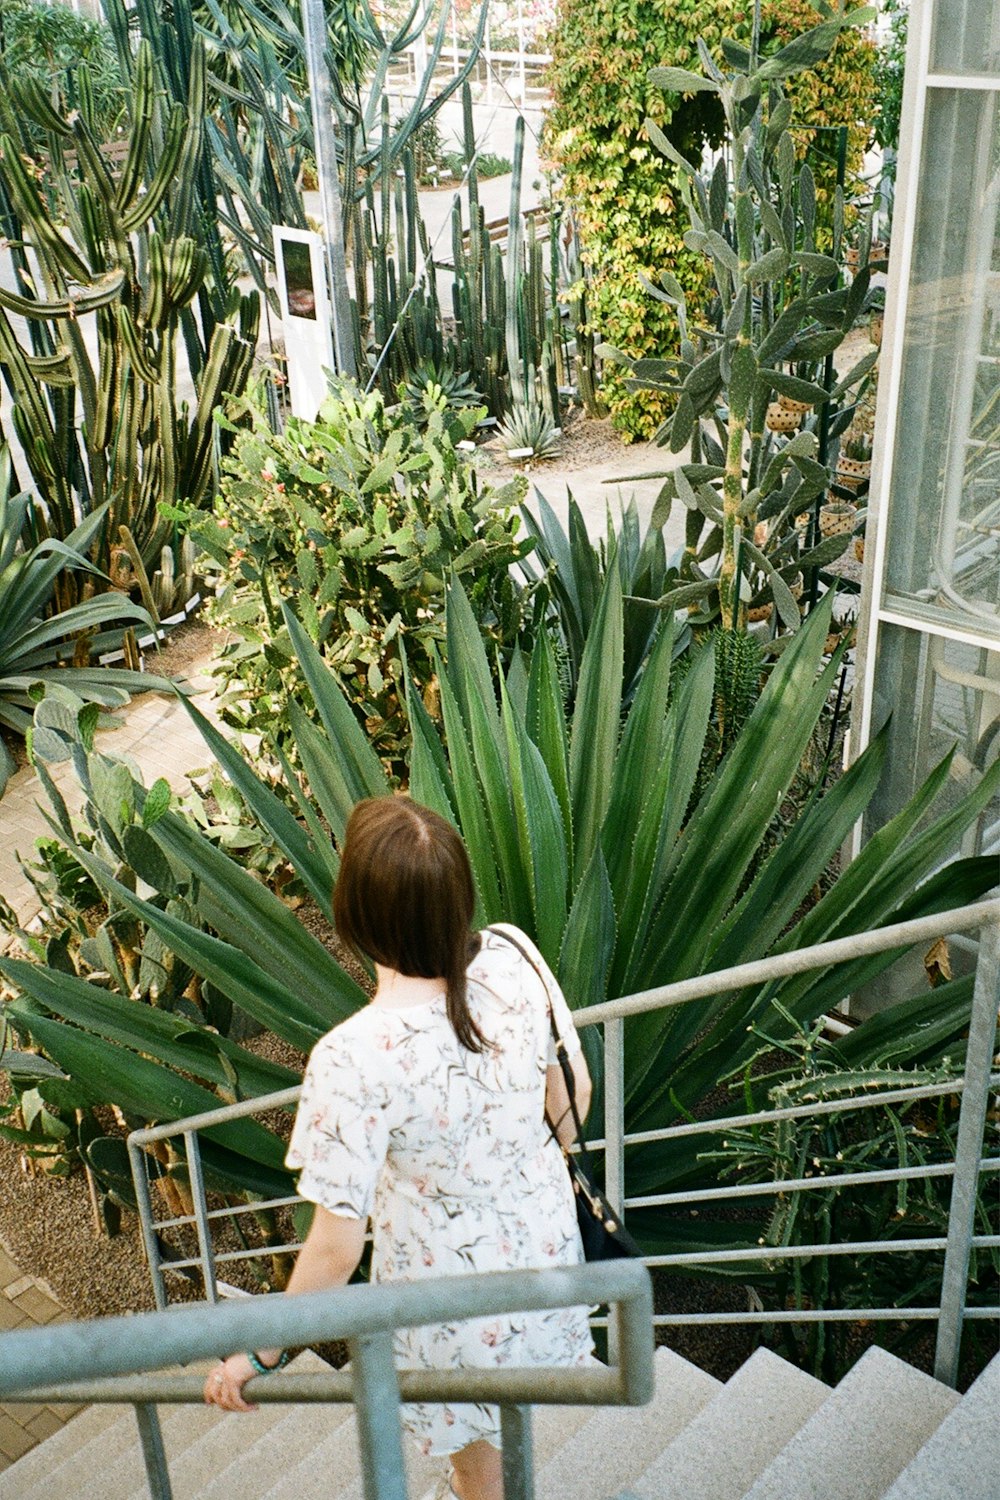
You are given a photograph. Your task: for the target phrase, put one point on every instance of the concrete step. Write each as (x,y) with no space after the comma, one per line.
(614,1447)
(552,1427)
(36,1465)
(322,1472)
(961,1460)
(237,1453)
(864,1434)
(736,1434)
(109,1462)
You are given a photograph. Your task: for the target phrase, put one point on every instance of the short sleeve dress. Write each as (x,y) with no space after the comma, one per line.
(448,1152)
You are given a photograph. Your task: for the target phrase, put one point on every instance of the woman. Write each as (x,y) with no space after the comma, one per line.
(426,1111)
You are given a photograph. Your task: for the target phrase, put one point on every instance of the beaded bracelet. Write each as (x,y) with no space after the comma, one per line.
(260,1368)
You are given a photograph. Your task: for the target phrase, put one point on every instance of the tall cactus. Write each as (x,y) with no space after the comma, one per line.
(128,249)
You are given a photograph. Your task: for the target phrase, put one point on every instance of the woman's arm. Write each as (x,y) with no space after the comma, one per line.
(557,1098)
(328,1258)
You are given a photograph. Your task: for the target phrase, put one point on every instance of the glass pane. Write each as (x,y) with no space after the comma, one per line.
(944,551)
(940,694)
(966,37)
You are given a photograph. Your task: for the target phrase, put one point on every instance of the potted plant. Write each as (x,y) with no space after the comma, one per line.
(779,419)
(837,516)
(854,465)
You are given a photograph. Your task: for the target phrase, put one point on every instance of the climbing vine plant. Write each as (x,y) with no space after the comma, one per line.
(627,195)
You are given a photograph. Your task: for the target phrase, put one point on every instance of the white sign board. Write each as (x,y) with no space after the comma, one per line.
(305,314)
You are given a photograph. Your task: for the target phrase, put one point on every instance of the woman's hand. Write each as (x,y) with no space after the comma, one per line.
(224,1384)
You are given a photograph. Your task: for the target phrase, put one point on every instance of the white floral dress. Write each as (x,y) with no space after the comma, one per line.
(448,1152)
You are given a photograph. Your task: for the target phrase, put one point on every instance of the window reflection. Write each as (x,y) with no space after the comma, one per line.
(944,551)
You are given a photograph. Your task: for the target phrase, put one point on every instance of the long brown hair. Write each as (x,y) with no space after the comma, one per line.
(405,897)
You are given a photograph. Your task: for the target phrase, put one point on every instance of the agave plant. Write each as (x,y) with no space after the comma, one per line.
(528,431)
(575,570)
(580,828)
(45,654)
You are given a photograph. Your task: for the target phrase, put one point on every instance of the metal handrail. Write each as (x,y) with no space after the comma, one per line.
(974,1087)
(366,1316)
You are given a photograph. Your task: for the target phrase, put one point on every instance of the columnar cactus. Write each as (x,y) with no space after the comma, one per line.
(127,249)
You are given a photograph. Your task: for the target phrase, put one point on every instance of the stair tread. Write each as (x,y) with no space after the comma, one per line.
(113,1450)
(758,1411)
(236,1449)
(863,1435)
(617,1443)
(961,1460)
(68,1441)
(325,1469)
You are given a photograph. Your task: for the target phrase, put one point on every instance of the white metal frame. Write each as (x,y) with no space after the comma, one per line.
(876,612)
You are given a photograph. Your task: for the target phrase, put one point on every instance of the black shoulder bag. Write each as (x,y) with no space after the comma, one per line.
(603,1234)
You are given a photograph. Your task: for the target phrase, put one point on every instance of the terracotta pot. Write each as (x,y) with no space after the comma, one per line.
(878,255)
(852,257)
(853,468)
(779,420)
(875,323)
(759,612)
(800,407)
(837,517)
(859,548)
(795,587)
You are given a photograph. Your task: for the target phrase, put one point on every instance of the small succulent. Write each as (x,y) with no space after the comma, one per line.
(440,379)
(857,445)
(529,432)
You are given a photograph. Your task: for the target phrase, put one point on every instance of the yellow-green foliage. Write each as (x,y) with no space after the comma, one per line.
(842,91)
(625,193)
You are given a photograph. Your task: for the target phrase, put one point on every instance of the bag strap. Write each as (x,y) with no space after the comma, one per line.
(561,1054)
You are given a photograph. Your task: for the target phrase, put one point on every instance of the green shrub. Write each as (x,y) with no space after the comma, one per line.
(360,517)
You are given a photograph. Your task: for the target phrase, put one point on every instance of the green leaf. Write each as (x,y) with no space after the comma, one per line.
(540,831)
(315,864)
(802,52)
(144,1088)
(157,800)
(683,422)
(680,81)
(148,860)
(594,733)
(360,766)
(589,939)
(793,387)
(465,643)
(546,723)
(770,267)
(817,265)
(469,801)
(727,827)
(664,144)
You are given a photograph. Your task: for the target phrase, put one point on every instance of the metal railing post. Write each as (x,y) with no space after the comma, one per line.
(518,1456)
(614,1139)
(376,1406)
(153,1452)
(971,1124)
(140,1181)
(196,1179)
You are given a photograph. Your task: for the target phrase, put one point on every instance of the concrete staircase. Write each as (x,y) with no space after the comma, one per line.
(886,1432)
